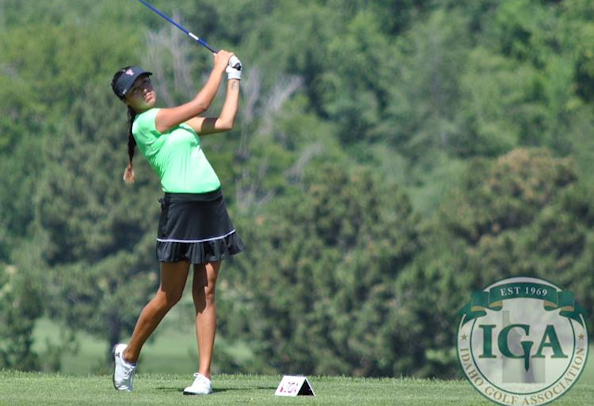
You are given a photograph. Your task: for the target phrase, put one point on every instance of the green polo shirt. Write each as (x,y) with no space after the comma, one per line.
(175,155)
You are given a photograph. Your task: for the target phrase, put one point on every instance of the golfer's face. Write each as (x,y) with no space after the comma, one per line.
(142,95)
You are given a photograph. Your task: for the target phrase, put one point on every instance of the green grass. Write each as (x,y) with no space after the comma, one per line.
(18,388)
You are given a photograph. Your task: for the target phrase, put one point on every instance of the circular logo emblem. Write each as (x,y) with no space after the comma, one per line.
(522,341)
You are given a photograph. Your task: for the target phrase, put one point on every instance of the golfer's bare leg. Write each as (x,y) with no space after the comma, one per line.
(173,281)
(203,292)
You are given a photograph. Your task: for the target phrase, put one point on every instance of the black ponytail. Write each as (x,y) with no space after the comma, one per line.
(129,175)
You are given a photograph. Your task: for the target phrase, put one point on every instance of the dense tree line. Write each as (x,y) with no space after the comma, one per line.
(390,157)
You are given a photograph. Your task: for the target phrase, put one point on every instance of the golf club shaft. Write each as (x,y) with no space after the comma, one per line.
(191,35)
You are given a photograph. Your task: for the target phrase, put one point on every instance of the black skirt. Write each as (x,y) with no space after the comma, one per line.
(196,228)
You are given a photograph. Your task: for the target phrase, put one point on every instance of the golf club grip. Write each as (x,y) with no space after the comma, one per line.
(201,42)
(211,49)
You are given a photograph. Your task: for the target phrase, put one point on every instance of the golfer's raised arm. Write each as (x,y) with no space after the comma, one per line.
(229,112)
(171,117)
(226,119)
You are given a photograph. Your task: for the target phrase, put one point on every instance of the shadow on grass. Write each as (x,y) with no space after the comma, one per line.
(169,389)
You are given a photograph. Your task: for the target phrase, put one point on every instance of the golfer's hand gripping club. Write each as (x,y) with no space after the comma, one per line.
(234,68)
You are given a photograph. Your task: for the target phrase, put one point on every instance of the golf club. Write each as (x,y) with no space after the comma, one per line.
(187,32)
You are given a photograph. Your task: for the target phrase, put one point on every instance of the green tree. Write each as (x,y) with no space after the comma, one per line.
(518,215)
(317,292)
(356,87)
(21,304)
(98,234)
(421,114)
(41,80)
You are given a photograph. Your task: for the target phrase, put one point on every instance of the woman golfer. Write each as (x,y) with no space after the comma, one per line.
(194,227)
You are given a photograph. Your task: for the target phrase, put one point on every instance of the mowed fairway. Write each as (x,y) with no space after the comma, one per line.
(161,390)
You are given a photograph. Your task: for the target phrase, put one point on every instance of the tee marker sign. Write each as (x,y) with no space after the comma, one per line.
(292,385)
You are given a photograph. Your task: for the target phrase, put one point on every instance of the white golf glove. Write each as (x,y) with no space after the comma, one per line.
(234,68)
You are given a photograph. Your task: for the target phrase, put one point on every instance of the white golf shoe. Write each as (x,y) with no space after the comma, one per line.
(123,374)
(201,386)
